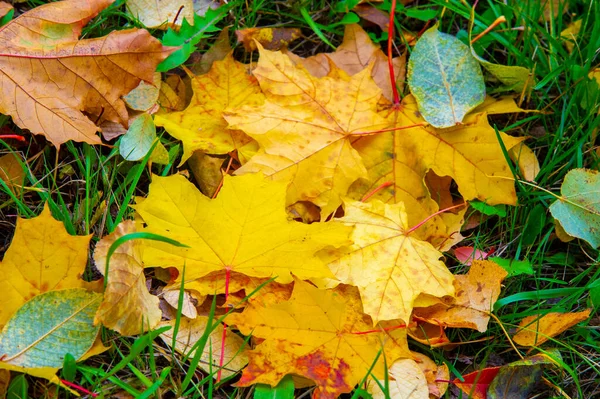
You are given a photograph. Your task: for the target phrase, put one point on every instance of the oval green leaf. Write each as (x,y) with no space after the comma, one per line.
(578,211)
(445,78)
(49,326)
(513,77)
(136,143)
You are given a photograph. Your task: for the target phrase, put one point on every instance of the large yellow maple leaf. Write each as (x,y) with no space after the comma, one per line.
(201,125)
(245,229)
(42,257)
(320,334)
(469,153)
(48,76)
(304,128)
(390,266)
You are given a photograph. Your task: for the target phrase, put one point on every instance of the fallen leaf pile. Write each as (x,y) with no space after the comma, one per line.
(326,241)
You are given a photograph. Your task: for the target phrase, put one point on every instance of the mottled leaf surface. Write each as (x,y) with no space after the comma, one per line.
(578,209)
(445,78)
(49,326)
(314,335)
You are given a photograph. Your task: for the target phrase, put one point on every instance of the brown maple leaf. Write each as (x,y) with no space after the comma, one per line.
(48,76)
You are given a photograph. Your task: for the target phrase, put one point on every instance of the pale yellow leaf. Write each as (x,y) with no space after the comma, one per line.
(389,265)
(190,331)
(128,307)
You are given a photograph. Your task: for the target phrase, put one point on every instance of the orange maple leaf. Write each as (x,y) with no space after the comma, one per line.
(319,334)
(476,293)
(48,76)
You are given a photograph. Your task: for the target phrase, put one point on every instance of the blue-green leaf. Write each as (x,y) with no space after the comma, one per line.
(578,210)
(445,78)
(135,144)
(49,326)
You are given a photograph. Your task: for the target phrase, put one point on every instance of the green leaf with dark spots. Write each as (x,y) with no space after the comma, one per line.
(518,379)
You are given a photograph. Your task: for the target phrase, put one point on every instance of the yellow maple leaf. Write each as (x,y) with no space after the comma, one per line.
(245,229)
(127,306)
(390,266)
(318,334)
(42,257)
(305,126)
(48,76)
(201,126)
(476,293)
(469,153)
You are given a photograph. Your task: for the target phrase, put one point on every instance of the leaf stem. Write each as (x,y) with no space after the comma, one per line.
(376,190)
(177,16)
(12,136)
(224,335)
(434,215)
(389,54)
(487,30)
(510,341)
(78,387)
(223,178)
(558,197)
